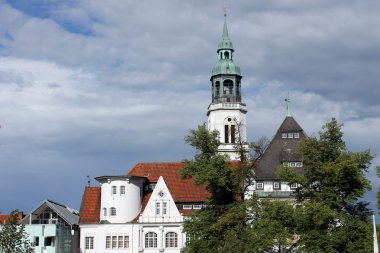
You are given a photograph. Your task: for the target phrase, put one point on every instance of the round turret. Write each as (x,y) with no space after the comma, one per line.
(120,198)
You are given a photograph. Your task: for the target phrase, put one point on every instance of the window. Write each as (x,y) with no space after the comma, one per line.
(49,241)
(197,206)
(126,242)
(114,242)
(120,242)
(297,135)
(284,135)
(226,135)
(187,206)
(105,212)
(260,186)
(164,208)
(151,240)
(158,208)
(114,190)
(108,242)
(232,133)
(298,164)
(122,190)
(290,135)
(89,242)
(171,240)
(187,237)
(36,241)
(113,211)
(292,164)
(293,186)
(276,185)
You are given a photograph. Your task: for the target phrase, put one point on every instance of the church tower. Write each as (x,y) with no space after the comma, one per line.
(227,113)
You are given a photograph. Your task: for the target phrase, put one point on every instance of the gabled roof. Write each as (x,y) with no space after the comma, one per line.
(281,150)
(181,190)
(68,214)
(90,207)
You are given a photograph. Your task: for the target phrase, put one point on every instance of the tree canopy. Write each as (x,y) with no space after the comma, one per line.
(324,216)
(13,238)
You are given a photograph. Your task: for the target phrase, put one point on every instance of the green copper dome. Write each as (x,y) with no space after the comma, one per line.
(226,67)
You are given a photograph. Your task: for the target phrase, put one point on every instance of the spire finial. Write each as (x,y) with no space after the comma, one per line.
(288,110)
(225,8)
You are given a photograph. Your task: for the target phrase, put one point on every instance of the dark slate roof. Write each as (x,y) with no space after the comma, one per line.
(281,150)
(70,215)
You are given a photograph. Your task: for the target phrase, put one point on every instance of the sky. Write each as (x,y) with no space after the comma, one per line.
(91,87)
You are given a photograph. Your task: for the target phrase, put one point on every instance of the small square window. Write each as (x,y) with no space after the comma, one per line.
(49,241)
(197,206)
(276,185)
(293,186)
(290,135)
(284,135)
(260,186)
(298,164)
(297,135)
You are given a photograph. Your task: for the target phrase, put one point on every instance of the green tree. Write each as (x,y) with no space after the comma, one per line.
(332,218)
(13,238)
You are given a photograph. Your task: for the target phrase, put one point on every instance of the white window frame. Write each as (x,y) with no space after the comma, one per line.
(113,211)
(114,242)
(293,186)
(187,207)
(126,242)
(171,240)
(108,242)
(259,185)
(296,135)
(122,190)
(197,206)
(151,240)
(276,185)
(290,135)
(113,190)
(89,242)
(158,208)
(164,208)
(284,135)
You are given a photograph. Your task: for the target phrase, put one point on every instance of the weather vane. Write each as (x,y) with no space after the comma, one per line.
(225,8)
(288,110)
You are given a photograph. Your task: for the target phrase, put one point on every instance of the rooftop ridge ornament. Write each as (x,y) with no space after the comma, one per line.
(288,110)
(225,8)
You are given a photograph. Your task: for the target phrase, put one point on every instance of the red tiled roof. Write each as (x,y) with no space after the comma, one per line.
(90,209)
(181,190)
(5,217)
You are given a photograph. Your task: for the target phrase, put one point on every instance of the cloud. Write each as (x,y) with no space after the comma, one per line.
(93,88)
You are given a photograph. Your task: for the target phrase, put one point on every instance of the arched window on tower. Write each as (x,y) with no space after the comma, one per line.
(226,55)
(229,131)
(228,88)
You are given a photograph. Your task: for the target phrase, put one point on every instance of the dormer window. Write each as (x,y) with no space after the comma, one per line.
(290,135)
(297,135)
(284,135)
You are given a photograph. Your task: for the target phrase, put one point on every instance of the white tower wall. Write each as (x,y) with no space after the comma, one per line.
(218,116)
(127,204)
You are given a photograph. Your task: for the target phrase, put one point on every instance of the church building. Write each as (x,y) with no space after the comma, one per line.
(144,210)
